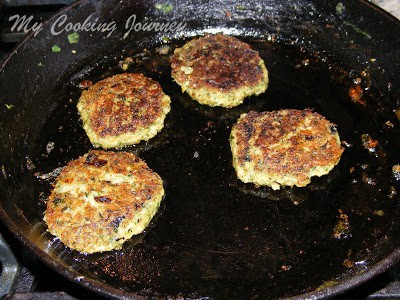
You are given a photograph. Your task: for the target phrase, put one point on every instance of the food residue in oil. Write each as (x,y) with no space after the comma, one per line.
(348,263)
(271,38)
(389,124)
(285,268)
(342,227)
(346,144)
(55,49)
(164,7)
(305,62)
(392,192)
(368,180)
(369,143)
(29,164)
(73,38)
(397,113)
(3,171)
(84,84)
(379,213)
(356,93)
(340,8)
(9,106)
(50,147)
(396,171)
(165,39)
(124,64)
(163,50)
(358,30)
(52,175)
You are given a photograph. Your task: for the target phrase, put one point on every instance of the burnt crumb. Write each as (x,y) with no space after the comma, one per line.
(372,145)
(248,129)
(348,263)
(29,164)
(333,129)
(308,138)
(102,199)
(115,85)
(116,222)
(356,93)
(94,160)
(285,268)
(85,84)
(342,228)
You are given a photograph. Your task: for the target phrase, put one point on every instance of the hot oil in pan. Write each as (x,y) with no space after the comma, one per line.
(219,237)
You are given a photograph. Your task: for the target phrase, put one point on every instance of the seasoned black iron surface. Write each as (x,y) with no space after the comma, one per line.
(216,236)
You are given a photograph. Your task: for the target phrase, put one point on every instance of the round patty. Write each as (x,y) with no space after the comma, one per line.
(219,70)
(102,199)
(284,147)
(123,110)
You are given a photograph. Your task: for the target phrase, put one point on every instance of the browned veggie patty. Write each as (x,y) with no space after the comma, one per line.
(102,199)
(219,70)
(123,110)
(285,147)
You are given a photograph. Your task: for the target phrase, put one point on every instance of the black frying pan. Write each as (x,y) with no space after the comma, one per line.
(214,236)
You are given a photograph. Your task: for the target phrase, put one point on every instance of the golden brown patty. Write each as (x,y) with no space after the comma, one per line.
(285,147)
(123,110)
(101,199)
(219,70)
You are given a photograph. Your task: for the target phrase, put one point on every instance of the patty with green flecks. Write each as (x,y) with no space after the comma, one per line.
(219,70)
(101,200)
(123,110)
(284,148)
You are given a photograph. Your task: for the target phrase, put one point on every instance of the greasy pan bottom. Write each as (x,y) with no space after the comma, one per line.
(215,236)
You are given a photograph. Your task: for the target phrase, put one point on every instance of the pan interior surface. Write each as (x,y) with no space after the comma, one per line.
(215,236)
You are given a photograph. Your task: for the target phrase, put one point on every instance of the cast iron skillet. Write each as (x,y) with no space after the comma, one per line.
(214,236)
